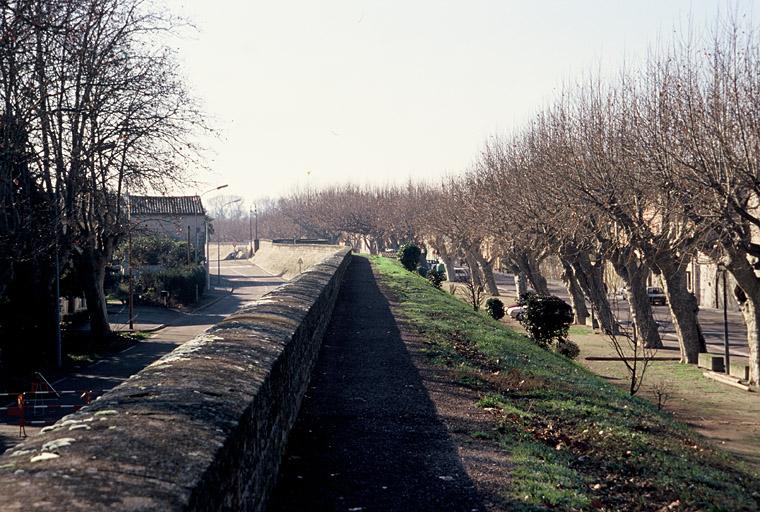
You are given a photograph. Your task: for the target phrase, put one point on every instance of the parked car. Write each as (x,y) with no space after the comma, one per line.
(656,296)
(515,311)
(462,274)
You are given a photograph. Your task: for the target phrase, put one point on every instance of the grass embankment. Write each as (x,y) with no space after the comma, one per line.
(729,416)
(575,441)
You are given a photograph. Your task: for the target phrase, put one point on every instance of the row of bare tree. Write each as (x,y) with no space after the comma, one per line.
(644,172)
(93,105)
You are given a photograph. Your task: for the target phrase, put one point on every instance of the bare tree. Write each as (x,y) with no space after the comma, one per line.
(635,356)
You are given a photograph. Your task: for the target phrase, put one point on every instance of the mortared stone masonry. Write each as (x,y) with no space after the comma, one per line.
(203,428)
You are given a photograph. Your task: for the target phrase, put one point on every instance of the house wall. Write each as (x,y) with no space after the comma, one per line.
(710,286)
(174,227)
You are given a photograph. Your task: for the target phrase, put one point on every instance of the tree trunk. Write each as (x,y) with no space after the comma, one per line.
(373,246)
(683,309)
(577,300)
(92,274)
(521,282)
(748,297)
(530,268)
(447,258)
(634,274)
(590,280)
(448,264)
(486,267)
(475,274)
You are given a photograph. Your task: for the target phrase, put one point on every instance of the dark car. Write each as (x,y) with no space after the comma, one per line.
(656,296)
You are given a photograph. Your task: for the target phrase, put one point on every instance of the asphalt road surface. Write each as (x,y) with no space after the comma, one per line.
(247,282)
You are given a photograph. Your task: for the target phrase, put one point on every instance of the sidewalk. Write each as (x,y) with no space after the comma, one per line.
(148,318)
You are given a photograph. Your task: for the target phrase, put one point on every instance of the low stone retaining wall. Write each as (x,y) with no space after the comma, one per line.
(203,428)
(288,260)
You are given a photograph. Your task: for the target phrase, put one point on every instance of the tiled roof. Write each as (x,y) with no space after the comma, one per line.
(166,205)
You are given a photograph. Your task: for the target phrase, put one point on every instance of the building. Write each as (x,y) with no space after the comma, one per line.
(175,217)
(705,280)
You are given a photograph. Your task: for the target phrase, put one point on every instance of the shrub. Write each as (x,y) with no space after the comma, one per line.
(436,277)
(122,292)
(181,282)
(423,271)
(546,318)
(157,250)
(525,297)
(567,348)
(409,256)
(495,308)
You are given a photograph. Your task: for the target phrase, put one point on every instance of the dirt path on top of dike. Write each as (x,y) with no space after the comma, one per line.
(381,428)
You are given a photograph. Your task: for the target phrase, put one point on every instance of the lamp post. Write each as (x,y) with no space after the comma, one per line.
(205,236)
(250,228)
(219,245)
(726,350)
(256,233)
(58,343)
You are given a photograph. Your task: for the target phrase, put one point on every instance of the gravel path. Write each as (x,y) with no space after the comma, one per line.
(368,436)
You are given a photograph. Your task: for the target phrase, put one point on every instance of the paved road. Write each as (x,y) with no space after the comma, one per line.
(248,283)
(711,320)
(368,436)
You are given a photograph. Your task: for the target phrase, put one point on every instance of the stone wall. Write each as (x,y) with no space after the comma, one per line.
(287,260)
(203,428)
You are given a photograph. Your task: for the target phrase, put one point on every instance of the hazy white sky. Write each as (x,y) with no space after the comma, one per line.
(316,92)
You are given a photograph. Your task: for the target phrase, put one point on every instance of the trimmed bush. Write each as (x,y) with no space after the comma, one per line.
(158,250)
(409,256)
(423,271)
(567,348)
(436,277)
(546,318)
(181,282)
(495,308)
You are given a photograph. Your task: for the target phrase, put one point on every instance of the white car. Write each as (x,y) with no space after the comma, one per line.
(515,311)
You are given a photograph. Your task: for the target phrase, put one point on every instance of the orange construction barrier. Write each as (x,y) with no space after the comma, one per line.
(20,402)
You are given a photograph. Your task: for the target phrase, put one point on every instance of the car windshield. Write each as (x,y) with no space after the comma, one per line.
(655,290)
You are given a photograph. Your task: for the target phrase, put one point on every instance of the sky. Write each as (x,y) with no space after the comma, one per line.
(312,93)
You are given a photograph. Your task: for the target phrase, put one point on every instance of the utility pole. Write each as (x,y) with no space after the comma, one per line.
(188,244)
(218,245)
(250,228)
(58,344)
(207,247)
(131,298)
(256,237)
(206,242)
(725,324)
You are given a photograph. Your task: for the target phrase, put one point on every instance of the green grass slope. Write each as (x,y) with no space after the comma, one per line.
(576,441)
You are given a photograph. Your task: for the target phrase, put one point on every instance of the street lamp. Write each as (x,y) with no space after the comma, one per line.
(722,268)
(205,235)
(219,245)
(250,229)
(253,232)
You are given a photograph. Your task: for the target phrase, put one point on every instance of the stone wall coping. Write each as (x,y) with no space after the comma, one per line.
(202,428)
